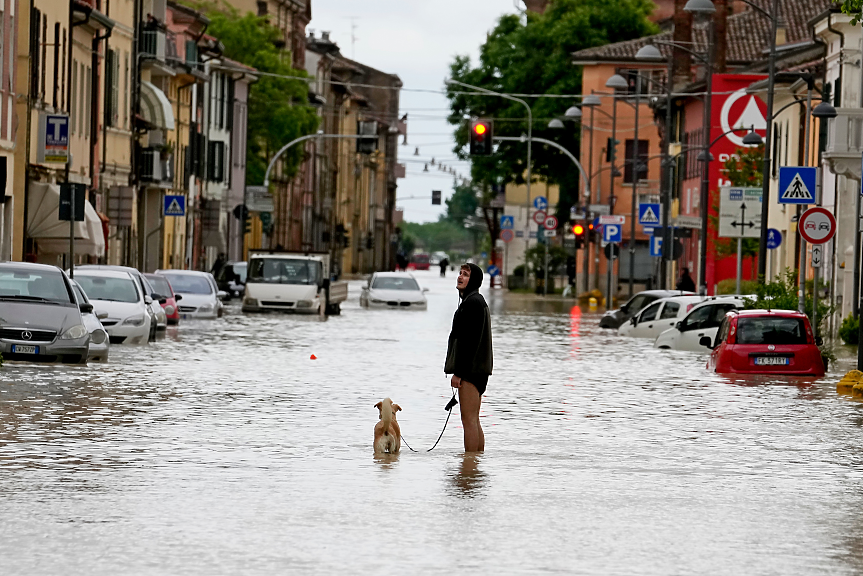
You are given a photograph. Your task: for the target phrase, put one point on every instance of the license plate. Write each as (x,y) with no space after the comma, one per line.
(16,349)
(771,361)
(185,316)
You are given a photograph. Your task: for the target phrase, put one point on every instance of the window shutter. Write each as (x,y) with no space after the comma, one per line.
(109,82)
(115,90)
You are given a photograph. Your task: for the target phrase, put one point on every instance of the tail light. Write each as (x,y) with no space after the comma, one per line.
(732,332)
(810,338)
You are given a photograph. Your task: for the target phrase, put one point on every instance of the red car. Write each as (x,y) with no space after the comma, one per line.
(765,342)
(161,285)
(420,261)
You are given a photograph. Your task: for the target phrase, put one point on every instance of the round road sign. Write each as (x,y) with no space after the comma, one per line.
(506,235)
(774,238)
(817,225)
(550,223)
(539,217)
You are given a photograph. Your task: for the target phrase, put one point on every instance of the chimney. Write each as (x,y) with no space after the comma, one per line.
(781,32)
(682,34)
(720,19)
(325,36)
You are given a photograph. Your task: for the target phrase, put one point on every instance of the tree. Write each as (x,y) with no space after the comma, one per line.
(278,108)
(533,55)
(853,8)
(462,204)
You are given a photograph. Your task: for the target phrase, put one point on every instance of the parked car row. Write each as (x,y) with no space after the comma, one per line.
(738,341)
(46,316)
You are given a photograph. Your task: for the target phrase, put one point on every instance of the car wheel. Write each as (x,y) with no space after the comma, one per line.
(152,336)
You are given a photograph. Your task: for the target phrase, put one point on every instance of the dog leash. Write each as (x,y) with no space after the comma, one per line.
(449,406)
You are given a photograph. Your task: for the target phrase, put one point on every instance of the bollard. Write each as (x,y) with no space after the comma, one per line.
(857,390)
(848,382)
(592,303)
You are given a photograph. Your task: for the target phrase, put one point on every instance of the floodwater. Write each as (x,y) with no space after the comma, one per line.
(224,449)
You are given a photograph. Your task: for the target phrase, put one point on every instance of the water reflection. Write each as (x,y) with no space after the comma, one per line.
(469,481)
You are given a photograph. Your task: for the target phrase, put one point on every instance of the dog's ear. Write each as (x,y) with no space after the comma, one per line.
(378,405)
(396,408)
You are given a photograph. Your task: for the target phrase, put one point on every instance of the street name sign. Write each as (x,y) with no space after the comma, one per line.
(540,203)
(507,222)
(539,217)
(739,212)
(612,232)
(817,225)
(817,255)
(648,214)
(693,222)
(774,238)
(797,185)
(599,209)
(174,206)
(259,199)
(550,223)
(612,219)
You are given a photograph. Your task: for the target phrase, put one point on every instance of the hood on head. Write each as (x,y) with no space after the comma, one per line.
(475,281)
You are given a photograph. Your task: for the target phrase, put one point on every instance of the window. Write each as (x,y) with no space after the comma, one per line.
(393,283)
(35,62)
(670,310)
(112,88)
(44,55)
(770,331)
(73,108)
(695,319)
(126,83)
(638,302)
(63,72)
(56,82)
(649,312)
(643,146)
(3,45)
(722,333)
(88,107)
(216,161)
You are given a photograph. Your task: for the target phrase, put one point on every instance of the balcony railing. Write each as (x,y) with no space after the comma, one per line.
(156,166)
(153,44)
(845,142)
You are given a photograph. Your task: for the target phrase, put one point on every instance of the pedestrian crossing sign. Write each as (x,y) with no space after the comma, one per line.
(174,205)
(797,185)
(648,214)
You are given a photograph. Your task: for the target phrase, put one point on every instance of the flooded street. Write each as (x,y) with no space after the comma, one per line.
(224,449)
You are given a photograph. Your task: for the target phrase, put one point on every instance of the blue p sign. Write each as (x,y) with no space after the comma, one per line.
(612,232)
(656,245)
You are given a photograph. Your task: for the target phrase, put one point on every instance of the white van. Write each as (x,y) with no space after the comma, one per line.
(292,282)
(659,316)
(703,320)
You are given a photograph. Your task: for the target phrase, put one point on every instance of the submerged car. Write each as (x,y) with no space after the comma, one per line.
(99,341)
(200,296)
(159,320)
(40,317)
(765,342)
(393,290)
(117,296)
(168,299)
(659,316)
(616,318)
(231,279)
(703,320)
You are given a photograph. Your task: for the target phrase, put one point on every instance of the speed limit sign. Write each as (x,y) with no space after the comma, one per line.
(539,217)
(550,223)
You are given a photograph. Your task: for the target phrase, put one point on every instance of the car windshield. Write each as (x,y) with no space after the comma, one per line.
(160,284)
(389,283)
(771,331)
(33,285)
(189,284)
(108,288)
(283,271)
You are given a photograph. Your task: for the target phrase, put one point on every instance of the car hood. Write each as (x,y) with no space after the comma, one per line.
(39,316)
(397,295)
(616,313)
(119,310)
(196,300)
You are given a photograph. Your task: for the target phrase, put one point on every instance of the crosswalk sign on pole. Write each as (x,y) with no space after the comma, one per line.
(648,214)
(797,185)
(174,205)
(507,222)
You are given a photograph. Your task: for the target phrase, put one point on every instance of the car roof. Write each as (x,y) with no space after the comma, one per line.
(105,273)
(107,267)
(392,275)
(684,298)
(778,313)
(183,272)
(30,265)
(664,293)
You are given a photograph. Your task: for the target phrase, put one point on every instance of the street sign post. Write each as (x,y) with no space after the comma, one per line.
(739,212)
(539,217)
(540,203)
(550,223)
(797,185)
(507,222)
(174,206)
(648,214)
(817,225)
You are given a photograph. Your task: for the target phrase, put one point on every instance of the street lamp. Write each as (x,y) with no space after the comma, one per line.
(590,101)
(824,111)
(753,138)
(573,112)
(700,7)
(556,124)
(617,82)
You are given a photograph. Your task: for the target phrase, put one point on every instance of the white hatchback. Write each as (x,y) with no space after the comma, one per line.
(702,321)
(201,297)
(659,316)
(118,300)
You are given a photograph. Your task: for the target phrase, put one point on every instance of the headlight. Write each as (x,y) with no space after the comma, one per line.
(304,304)
(169,310)
(134,321)
(250,302)
(98,336)
(74,333)
(206,308)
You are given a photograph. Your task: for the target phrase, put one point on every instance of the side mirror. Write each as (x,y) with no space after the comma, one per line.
(425,289)
(633,320)
(706,341)
(221,294)
(102,315)
(86,308)
(163,300)
(679,325)
(147,300)
(178,297)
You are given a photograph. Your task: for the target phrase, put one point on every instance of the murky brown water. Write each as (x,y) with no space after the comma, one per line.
(224,449)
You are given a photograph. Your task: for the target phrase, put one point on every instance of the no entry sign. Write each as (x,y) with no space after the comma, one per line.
(817,225)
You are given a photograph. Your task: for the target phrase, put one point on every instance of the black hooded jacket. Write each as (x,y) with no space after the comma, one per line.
(469,353)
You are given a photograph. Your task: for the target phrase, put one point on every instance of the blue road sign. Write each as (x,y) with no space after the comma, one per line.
(612,232)
(774,238)
(648,214)
(507,222)
(797,185)
(656,245)
(540,203)
(174,206)
(493,270)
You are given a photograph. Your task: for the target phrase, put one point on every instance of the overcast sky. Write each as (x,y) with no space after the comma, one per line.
(417,40)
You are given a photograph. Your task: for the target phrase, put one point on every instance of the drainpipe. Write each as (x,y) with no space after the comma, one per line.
(94,102)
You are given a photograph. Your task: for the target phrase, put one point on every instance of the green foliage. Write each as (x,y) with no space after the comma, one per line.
(278,107)
(781,294)
(533,55)
(849,331)
(853,8)
(729,286)
(443,235)
(462,204)
(536,259)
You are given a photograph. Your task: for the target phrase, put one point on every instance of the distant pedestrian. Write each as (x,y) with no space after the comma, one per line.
(686,283)
(469,354)
(220,262)
(401,261)
(443,264)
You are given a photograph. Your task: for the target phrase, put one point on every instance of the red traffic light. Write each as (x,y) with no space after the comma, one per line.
(578,229)
(480,129)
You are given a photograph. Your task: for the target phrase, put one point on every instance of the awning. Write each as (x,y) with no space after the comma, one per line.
(51,233)
(155,107)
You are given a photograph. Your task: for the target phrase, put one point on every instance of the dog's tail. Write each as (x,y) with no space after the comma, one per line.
(387,415)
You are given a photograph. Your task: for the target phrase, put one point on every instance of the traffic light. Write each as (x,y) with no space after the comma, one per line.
(611,149)
(481,134)
(591,237)
(578,230)
(267,223)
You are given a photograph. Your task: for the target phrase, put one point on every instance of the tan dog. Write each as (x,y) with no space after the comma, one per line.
(388,436)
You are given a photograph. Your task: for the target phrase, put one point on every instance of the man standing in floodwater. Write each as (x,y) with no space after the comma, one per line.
(469,353)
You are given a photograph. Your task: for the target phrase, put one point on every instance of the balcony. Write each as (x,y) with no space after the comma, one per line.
(845,143)
(153,44)
(156,166)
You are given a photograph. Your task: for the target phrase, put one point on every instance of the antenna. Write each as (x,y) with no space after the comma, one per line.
(354,38)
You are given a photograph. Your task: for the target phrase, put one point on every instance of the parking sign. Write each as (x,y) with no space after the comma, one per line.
(656,245)
(612,232)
